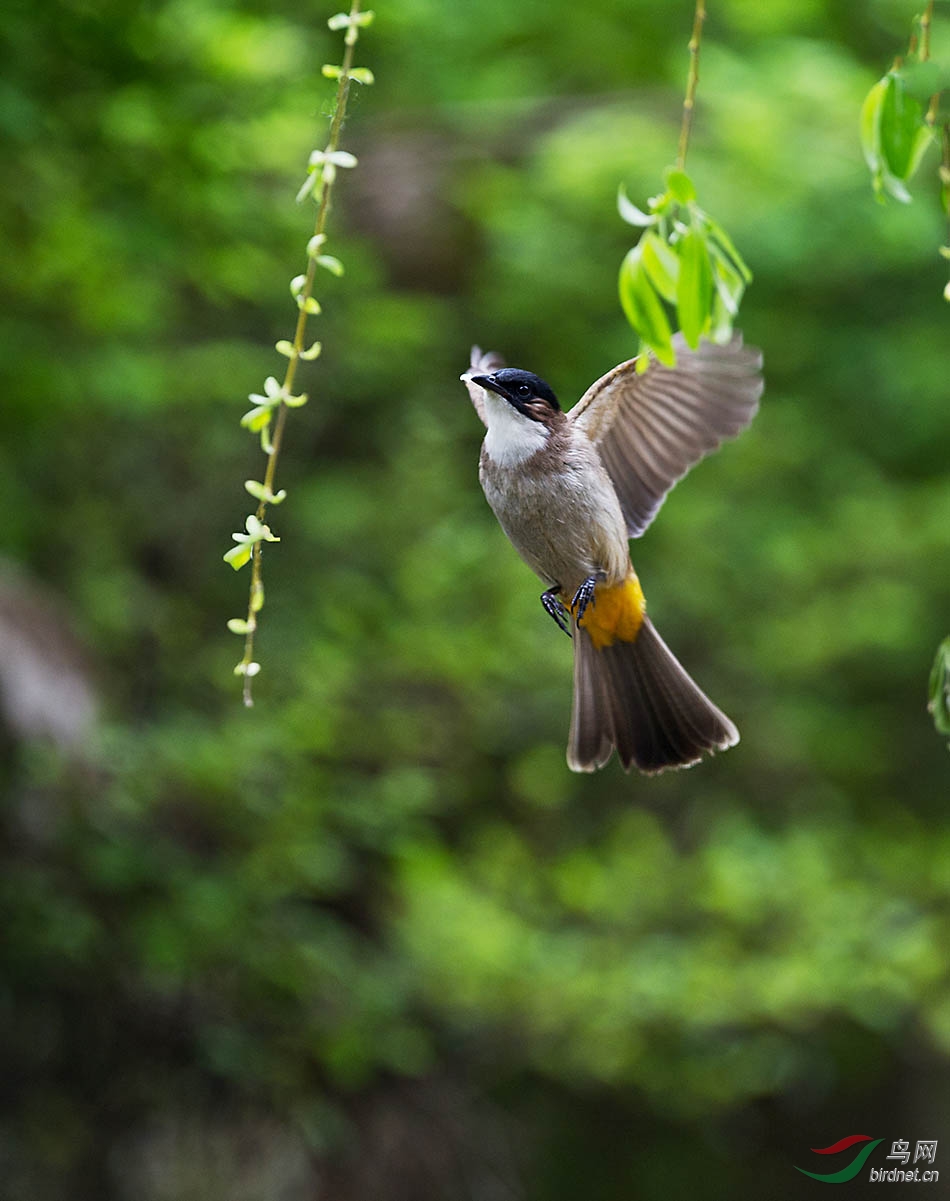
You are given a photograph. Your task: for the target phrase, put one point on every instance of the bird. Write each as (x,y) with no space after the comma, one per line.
(570,490)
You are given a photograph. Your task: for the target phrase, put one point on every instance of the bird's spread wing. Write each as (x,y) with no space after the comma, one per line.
(650,428)
(482,363)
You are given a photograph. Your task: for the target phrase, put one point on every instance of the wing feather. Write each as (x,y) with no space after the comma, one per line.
(652,427)
(481,363)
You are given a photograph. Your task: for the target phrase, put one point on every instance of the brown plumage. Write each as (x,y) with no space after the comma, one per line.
(570,489)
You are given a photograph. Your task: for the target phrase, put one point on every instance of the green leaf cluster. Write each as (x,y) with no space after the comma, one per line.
(894,133)
(685,260)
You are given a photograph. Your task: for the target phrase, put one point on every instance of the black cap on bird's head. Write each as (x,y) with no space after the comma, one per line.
(520,389)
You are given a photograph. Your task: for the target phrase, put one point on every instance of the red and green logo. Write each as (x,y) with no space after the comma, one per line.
(851,1169)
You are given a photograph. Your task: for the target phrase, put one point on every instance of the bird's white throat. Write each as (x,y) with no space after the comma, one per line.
(512,438)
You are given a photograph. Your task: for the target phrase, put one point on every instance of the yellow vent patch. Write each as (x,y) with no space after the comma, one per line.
(615,613)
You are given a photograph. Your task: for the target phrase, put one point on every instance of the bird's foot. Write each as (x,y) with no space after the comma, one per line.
(584,596)
(555,608)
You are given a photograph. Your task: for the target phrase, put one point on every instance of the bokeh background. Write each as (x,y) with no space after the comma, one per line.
(371,939)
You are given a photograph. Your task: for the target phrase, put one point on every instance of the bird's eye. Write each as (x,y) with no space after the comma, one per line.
(524,390)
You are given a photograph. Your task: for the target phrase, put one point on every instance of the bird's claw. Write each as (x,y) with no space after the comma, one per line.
(555,608)
(583,597)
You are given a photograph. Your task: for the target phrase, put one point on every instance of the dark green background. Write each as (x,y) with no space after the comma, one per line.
(371,939)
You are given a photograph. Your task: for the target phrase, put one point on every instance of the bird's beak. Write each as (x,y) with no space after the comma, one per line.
(483,381)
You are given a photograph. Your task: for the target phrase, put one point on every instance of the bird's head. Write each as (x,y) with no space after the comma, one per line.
(523,390)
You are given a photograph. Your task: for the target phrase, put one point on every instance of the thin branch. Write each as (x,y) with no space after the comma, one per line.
(691,83)
(256,594)
(925,22)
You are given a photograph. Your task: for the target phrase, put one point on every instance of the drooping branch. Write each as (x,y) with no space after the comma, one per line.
(268,416)
(692,82)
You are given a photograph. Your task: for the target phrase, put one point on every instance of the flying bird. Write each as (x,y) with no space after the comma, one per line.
(570,490)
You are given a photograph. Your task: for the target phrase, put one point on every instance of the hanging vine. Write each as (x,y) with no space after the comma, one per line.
(684,259)
(267,416)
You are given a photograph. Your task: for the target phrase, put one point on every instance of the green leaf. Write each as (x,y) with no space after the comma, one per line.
(237,625)
(362,75)
(257,418)
(629,211)
(939,703)
(295,402)
(925,136)
(309,305)
(643,308)
(330,263)
(871,124)
(257,531)
(661,264)
(260,492)
(694,288)
(307,187)
(903,134)
(237,556)
(287,348)
(330,71)
(728,282)
(719,237)
(720,322)
(886,182)
(680,185)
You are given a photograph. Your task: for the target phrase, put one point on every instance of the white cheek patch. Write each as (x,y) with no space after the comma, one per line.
(512,438)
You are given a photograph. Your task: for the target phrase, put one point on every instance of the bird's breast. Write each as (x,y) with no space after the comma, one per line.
(559,509)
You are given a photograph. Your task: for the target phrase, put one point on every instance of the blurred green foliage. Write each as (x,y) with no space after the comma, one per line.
(385,876)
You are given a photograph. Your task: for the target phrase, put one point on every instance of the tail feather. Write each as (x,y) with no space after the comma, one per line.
(591,738)
(636,696)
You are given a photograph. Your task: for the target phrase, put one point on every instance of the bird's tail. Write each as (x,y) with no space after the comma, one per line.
(630,692)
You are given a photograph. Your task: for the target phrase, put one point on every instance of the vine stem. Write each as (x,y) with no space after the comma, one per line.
(692,81)
(256,593)
(925,23)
